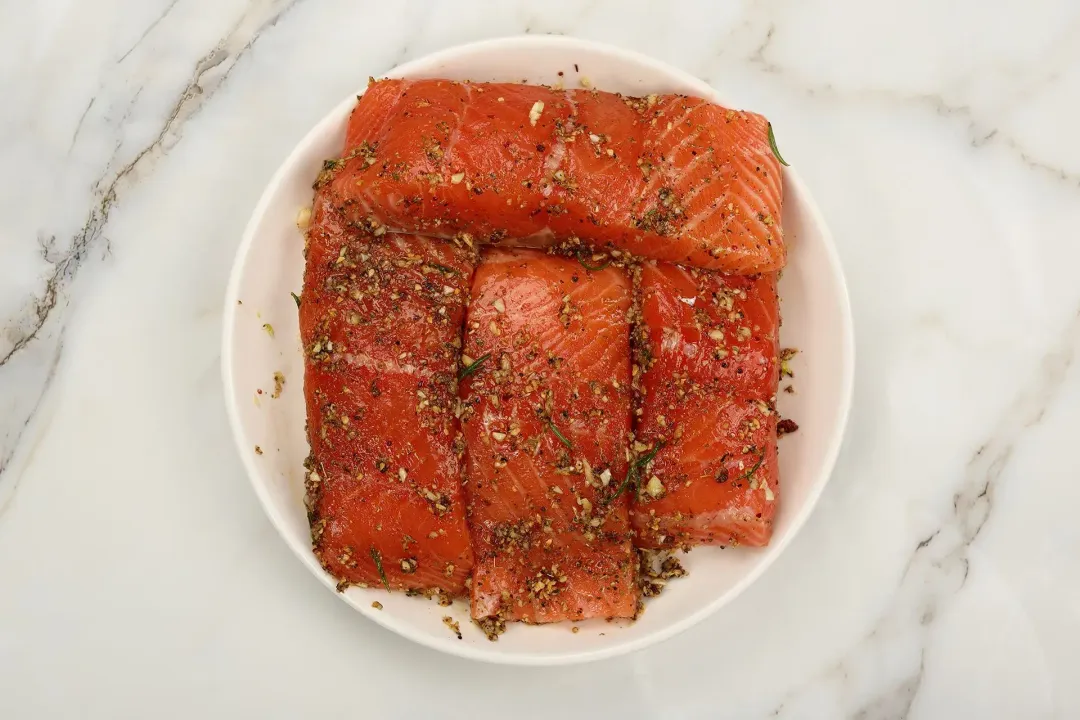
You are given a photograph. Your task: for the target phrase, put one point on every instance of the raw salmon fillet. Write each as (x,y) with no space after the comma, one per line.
(380,320)
(705,446)
(666,177)
(546,419)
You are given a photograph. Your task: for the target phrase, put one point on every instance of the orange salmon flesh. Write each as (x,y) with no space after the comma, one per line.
(491,420)
(707,344)
(667,177)
(546,421)
(380,321)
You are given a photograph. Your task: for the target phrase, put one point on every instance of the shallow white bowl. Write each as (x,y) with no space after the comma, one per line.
(269,264)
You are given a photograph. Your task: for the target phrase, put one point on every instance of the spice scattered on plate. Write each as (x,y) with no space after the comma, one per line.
(786,355)
(453,624)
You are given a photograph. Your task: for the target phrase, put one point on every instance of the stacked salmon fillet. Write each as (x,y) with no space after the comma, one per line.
(546,422)
(381,326)
(707,348)
(512,424)
(666,177)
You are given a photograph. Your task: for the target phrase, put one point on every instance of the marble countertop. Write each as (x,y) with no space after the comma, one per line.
(938,576)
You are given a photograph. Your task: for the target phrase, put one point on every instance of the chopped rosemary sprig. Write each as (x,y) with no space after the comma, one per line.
(378,564)
(443,269)
(562,438)
(592,268)
(643,461)
(296,298)
(631,473)
(772,144)
(750,473)
(474,366)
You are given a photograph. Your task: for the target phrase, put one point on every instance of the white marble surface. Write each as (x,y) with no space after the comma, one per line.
(939,577)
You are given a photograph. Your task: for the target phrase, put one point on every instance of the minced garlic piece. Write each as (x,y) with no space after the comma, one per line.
(303,218)
(499,305)
(534,113)
(655,488)
(588,472)
(458,177)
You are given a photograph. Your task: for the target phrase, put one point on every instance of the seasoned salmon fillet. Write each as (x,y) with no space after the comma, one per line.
(546,419)
(666,177)
(380,321)
(706,344)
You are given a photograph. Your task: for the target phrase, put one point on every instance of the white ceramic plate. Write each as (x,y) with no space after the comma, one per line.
(269,264)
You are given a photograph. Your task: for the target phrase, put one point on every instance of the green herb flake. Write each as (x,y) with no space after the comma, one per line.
(643,461)
(296,299)
(474,366)
(772,144)
(269,329)
(442,268)
(631,473)
(591,268)
(750,473)
(562,438)
(378,565)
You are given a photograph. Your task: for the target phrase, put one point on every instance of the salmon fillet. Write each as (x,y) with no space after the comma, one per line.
(706,424)
(546,422)
(666,177)
(380,321)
